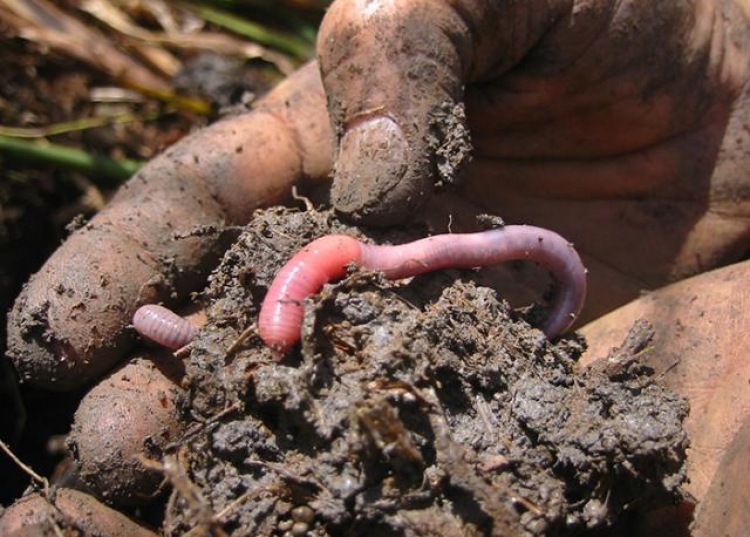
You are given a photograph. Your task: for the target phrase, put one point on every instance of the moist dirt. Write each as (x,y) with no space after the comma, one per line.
(419,407)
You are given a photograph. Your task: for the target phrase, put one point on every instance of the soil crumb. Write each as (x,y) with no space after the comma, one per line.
(421,407)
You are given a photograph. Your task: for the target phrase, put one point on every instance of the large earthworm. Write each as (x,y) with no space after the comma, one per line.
(163,326)
(327,258)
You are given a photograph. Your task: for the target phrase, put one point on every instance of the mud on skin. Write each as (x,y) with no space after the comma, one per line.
(425,407)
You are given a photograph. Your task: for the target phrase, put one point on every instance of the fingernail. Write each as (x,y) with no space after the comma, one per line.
(372,162)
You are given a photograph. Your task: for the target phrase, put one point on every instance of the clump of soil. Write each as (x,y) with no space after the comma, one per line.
(425,407)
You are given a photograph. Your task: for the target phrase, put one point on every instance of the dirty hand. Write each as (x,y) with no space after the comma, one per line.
(624,126)
(603,120)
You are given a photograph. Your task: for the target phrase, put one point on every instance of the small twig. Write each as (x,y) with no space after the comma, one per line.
(34,476)
(217,518)
(485,414)
(43,481)
(175,469)
(53,523)
(182,352)
(304,199)
(38,479)
(203,425)
(669,368)
(528,504)
(237,502)
(244,336)
(235,407)
(284,474)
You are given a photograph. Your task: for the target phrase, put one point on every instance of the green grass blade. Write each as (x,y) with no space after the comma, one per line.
(102,169)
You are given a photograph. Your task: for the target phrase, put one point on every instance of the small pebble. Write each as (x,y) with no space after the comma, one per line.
(303,513)
(299,528)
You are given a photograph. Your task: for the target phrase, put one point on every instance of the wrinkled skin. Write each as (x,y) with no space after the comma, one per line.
(624,126)
(583,121)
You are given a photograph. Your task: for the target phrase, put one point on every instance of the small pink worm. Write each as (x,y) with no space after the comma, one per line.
(327,258)
(163,326)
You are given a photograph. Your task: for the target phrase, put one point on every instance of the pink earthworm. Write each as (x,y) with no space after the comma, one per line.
(163,326)
(327,258)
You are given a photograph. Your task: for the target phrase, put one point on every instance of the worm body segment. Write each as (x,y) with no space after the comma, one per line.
(326,259)
(163,326)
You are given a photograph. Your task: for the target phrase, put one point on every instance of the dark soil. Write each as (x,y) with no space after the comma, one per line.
(424,407)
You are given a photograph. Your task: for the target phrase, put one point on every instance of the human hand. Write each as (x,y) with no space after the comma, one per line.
(602,121)
(598,121)
(579,122)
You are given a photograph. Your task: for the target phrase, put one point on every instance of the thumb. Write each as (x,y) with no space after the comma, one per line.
(393,73)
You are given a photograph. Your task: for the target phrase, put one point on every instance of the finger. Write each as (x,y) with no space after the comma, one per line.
(394,73)
(162,233)
(700,351)
(726,507)
(78,509)
(127,419)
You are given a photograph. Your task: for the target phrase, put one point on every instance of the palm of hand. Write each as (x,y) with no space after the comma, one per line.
(607,143)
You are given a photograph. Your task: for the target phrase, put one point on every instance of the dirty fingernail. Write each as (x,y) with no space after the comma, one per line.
(371,182)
